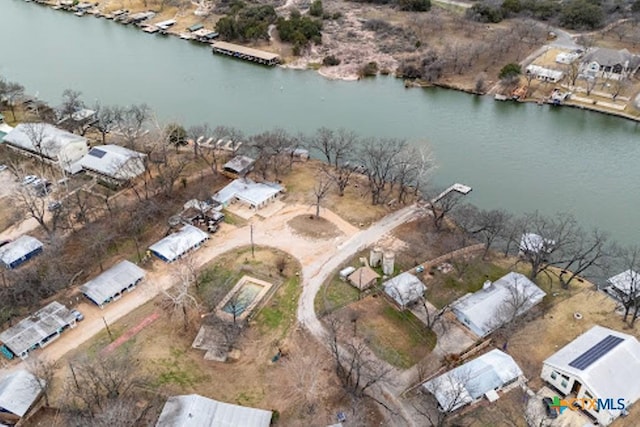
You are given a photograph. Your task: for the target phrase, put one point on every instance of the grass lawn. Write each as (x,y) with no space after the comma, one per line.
(280,313)
(442,289)
(335,295)
(397,337)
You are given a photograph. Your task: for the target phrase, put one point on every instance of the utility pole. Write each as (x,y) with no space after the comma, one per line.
(253,255)
(107,327)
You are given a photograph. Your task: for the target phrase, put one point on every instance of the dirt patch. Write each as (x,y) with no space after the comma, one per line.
(318,228)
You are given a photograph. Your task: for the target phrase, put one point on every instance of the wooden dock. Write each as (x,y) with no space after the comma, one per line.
(246,53)
(458,188)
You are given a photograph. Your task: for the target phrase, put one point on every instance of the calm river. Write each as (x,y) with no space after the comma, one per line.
(517,157)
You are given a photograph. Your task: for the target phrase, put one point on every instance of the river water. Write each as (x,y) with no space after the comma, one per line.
(520,157)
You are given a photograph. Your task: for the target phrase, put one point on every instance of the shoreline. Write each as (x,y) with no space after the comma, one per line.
(304,64)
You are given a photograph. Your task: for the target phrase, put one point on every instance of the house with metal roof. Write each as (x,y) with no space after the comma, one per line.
(534,243)
(497,303)
(623,285)
(111,284)
(599,364)
(19,251)
(481,377)
(239,166)
(253,194)
(176,245)
(20,391)
(363,278)
(49,144)
(113,163)
(404,289)
(37,330)
(193,410)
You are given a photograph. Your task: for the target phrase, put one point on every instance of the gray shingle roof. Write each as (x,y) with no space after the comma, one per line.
(197,411)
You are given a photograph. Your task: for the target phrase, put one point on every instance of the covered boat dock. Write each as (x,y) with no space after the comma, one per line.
(246,53)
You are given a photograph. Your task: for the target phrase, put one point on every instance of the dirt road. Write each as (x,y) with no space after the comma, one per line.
(319,258)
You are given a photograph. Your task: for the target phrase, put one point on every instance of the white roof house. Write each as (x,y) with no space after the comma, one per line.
(111,283)
(20,250)
(177,244)
(19,391)
(482,376)
(197,411)
(496,303)
(404,289)
(37,330)
(543,73)
(624,283)
(48,143)
(599,364)
(113,162)
(254,194)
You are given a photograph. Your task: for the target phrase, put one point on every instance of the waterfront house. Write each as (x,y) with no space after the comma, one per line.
(48,144)
(609,63)
(238,167)
(254,195)
(624,285)
(113,164)
(599,364)
(497,303)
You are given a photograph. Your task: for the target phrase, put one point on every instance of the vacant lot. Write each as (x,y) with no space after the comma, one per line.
(317,228)
(397,337)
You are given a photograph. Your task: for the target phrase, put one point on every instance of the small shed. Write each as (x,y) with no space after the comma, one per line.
(195,27)
(176,245)
(364,278)
(19,251)
(239,166)
(20,391)
(404,289)
(624,284)
(110,285)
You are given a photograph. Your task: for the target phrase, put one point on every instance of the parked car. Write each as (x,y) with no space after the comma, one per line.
(79,316)
(549,409)
(29,179)
(54,205)
(3,167)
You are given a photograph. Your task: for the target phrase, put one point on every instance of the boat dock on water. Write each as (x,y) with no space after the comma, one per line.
(246,53)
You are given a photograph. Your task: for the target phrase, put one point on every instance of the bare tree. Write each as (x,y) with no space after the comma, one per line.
(448,392)
(10,93)
(357,370)
(105,120)
(179,301)
(441,205)
(37,132)
(380,157)
(629,292)
(270,149)
(488,225)
(619,85)
(26,200)
(130,123)
(44,372)
(587,252)
(572,70)
(320,190)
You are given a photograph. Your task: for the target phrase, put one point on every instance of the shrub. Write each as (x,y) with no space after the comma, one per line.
(316,8)
(370,69)
(484,12)
(581,14)
(510,71)
(300,31)
(415,5)
(330,61)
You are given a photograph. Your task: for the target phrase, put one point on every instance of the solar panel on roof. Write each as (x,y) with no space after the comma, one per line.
(603,347)
(95,152)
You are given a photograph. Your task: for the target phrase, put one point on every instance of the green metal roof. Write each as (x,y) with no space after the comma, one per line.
(195,27)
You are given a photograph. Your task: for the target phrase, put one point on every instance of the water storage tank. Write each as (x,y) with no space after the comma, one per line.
(388,263)
(375,257)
